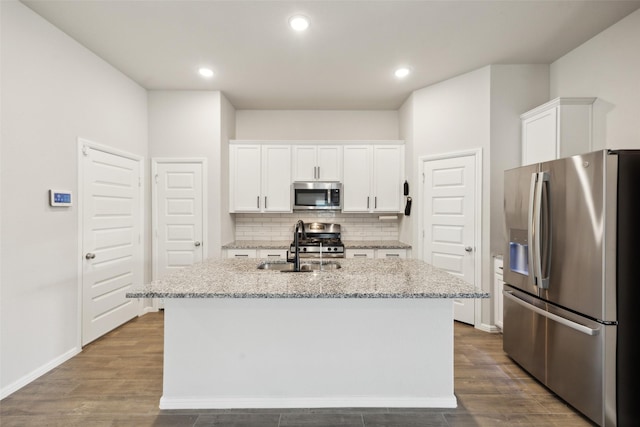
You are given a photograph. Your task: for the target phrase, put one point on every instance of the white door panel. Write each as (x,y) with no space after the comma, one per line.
(111,239)
(178,203)
(449,222)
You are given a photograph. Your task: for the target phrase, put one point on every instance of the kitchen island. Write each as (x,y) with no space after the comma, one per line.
(374,333)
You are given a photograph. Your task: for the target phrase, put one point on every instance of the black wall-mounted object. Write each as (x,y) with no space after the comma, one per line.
(407,209)
(406,188)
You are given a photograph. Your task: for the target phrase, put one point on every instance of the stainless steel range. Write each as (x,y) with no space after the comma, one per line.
(319,237)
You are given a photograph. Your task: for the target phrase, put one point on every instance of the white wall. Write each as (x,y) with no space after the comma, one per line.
(607,67)
(228,129)
(515,89)
(406,129)
(480,109)
(316,125)
(189,124)
(53,91)
(448,117)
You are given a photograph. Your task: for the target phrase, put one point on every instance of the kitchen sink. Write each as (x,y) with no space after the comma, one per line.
(305,266)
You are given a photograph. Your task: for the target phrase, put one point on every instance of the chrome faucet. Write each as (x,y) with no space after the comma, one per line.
(296,252)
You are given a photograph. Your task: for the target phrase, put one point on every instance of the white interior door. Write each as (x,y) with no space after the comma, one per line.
(111,195)
(449,217)
(178,214)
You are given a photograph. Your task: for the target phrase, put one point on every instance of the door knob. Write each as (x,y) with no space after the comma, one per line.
(197,244)
(468,249)
(89,255)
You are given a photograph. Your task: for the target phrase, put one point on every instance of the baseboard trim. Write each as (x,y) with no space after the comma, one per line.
(493,329)
(307,402)
(35,374)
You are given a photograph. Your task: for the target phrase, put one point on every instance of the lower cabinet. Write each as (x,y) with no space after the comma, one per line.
(359,253)
(376,253)
(498,284)
(242,253)
(279,254)
(391,253)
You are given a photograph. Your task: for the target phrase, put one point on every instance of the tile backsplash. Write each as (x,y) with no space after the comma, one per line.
(280,226)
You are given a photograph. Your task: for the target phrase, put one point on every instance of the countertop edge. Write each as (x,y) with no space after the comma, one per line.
(348,244)
(306,296)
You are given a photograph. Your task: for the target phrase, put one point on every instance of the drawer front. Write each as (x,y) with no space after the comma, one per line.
(360,253)
(391,253)
(272,253)
(241,253)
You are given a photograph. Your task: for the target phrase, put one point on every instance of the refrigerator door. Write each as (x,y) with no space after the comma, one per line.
(518,202)
(573,259)
(563,350)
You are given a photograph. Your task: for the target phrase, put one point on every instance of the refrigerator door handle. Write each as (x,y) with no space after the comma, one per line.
(566,322)
(544,247)
(530,229)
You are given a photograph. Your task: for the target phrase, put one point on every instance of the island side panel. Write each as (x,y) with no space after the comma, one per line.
(285,353)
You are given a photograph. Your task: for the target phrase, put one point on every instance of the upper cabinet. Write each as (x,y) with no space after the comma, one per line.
(259,178)
(560,128)
(373,178)
(317,163)
(261,174)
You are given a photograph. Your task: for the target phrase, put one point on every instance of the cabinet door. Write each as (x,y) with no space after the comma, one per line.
(329,162)
(244,172)
(387,177)
(540,137)
(304,163)
(276,178)
(356,183)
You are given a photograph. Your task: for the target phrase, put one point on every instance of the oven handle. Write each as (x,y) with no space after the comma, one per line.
(566,322)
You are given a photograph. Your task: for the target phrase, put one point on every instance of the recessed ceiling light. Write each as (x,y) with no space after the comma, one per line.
(299,22)
(205,72)
(403,72)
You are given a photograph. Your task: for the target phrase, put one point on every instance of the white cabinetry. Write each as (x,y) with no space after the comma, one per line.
(560,128)
(260,178)
(391,253)
(376,253)
(360,253)
(241,253)
(373,178)
(272,253)
(498,285)
(317,163)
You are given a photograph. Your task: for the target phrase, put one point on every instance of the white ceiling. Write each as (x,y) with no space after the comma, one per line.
(345,60)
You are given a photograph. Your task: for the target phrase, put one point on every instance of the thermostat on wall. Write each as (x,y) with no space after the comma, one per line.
(59,198)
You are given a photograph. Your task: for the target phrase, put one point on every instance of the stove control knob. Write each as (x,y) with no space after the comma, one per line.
(304,249)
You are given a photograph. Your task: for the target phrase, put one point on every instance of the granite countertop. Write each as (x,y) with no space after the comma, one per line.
(375,244)
(258,244)
(358,278)
(348,244)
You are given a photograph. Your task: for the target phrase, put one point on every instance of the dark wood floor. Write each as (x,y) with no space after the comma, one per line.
(117,381)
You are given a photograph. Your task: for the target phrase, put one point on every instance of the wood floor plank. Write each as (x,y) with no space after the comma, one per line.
(117,381)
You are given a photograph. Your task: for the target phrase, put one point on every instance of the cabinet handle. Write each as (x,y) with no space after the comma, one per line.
(258,201)
(318,172)
(367,202)
(392,255)
(265,202)
(241,255)
(273,255)
(360,255)
(375,203)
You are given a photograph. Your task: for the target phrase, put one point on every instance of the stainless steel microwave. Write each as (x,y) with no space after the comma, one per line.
(316,195)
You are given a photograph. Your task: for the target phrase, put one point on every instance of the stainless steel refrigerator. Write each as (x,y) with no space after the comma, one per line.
(572,280)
